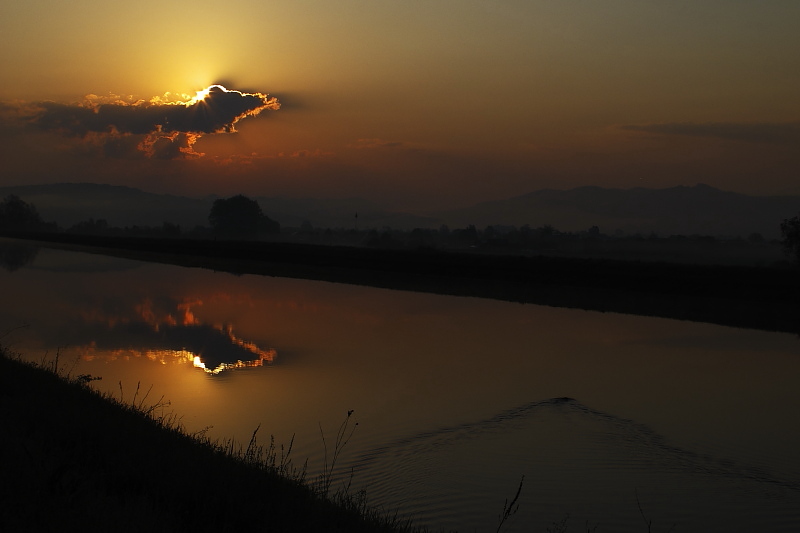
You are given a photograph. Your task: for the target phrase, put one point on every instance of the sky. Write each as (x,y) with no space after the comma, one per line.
(417,105)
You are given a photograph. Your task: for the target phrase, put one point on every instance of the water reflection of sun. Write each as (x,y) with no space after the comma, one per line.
(166,356)
(267,356)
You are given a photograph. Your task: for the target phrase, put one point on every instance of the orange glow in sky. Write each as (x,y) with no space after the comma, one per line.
(460,101)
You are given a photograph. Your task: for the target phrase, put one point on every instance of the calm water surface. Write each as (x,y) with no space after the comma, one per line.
(456,398)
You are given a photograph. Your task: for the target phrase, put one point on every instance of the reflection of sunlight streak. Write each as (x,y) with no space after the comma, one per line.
(269,356)
(90,353)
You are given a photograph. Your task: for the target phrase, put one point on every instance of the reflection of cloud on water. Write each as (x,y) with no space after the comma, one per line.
(165,333)
(183,314)
(211,348)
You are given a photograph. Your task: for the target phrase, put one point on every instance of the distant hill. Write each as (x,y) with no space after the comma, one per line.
(697,210)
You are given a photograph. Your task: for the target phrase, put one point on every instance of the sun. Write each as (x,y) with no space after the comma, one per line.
(202,95)
(199,97)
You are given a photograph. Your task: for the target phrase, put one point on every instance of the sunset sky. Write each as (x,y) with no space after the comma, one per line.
(414,104)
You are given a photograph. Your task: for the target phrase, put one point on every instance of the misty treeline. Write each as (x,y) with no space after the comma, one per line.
(16,215)
(240,217)
(235,217)
(547,240)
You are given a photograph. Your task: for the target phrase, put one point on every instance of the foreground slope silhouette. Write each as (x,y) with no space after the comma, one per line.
(76,460)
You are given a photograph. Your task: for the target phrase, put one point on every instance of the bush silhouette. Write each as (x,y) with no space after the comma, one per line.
(240,216)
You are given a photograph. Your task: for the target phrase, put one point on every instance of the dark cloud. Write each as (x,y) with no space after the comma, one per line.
(764,132)
(156,128)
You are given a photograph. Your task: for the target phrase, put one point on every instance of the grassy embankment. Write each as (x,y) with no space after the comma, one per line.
(753,297)
(73,459)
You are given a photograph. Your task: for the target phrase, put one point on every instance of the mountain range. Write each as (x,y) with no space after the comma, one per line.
(695,210)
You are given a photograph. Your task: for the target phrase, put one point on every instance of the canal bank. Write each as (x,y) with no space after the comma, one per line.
(76,459)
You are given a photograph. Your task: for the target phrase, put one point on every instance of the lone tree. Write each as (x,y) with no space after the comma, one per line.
(18,215)
(790,229)
(240,216)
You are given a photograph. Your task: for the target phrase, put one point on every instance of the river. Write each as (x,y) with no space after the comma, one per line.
(613,420)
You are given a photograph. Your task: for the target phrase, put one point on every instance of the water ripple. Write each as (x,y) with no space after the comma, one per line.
(612,448)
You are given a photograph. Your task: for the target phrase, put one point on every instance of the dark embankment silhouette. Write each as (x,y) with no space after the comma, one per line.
(75,460)
(765,298)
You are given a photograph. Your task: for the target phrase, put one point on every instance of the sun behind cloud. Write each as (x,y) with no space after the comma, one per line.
(164,127)
(202,95)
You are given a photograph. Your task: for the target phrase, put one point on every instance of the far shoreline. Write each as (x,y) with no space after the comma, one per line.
(763,297)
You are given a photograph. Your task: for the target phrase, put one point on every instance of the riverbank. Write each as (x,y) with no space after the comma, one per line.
(765,298)
(73,459)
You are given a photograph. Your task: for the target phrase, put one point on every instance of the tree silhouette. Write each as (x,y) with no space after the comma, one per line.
(17,215)
(790,229)
(240,216)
